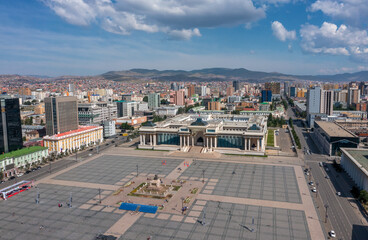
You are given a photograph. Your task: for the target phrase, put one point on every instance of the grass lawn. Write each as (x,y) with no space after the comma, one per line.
(271,138)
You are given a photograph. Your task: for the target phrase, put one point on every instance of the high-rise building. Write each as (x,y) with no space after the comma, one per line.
(286,88)
(273,86)
(96,113)
(174,86)
(353,96)
(326,102)
(266,96)
(314,100)
(229,91)
(292,92)
(236,85)
(61,114)
(126,109)
(191,90)
(179,97)
(10,125)
(153,100)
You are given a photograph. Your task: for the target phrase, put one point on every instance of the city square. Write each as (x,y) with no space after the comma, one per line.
(232,199)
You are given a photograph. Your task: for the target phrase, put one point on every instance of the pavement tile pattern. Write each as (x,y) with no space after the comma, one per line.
(265,182)
(224,221)
(22,219)
(110,169)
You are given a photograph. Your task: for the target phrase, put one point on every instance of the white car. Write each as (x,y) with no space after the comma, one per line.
(332,234)
(338,193)
(311,183)
(314,189)
(20,174)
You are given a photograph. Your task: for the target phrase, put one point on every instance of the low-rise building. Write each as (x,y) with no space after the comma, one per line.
(10,162)
(223,133)
(330,137)
(84,136)
(132,121)
(355,163)
(109,128)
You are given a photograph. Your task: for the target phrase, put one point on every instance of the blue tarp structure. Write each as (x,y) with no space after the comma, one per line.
(138,207)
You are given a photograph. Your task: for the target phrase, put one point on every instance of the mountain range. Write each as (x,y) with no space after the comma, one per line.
(221,74)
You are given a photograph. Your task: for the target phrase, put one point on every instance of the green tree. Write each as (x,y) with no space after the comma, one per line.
(42,123)
(145,99)
(181,110)
(164,101)
(27,103)
(363,196)
(126,126)
(235,112)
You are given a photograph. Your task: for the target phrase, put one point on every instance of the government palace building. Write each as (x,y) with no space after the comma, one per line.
(224,133)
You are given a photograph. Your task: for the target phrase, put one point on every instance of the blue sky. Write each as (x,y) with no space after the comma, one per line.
(88,37)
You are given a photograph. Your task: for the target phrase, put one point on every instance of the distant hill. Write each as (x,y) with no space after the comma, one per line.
(220,74)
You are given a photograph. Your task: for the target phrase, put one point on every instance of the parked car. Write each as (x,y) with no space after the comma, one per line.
(314,189)
(321,164)
(20,174)
(39,167)
(332,234)
(28,171)
(327,177)
(311,183)
(338,193)
(12,177)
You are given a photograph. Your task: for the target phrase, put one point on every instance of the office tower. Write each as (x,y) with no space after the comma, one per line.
(229,91)
(126,109)
(191,90)
(71,88)
(286,88)
(236,85)
(353,96)
(10,130)
(292,91)
(153,100)
(174,86)
(273,86)
(326,102)
(179,97)
(126,97)
(266,96)
(314,100)
(61,114)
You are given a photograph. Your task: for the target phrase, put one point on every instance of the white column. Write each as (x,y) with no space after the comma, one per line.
(249,144)
(140,139)
(257,144)
(188,141)
(150,136)
(192,141)
(154,139)
(181,141)
(211,142)
(207,142)
(215,142)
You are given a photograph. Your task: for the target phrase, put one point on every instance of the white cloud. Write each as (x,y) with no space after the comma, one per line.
(331,39)
(177,18)
(354,12)
(281,33)
(184,34)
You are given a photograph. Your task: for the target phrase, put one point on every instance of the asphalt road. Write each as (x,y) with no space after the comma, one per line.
(65,162)
(344,220)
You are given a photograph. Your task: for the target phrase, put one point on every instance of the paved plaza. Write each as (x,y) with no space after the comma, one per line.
(22,218)
(266,182)
(224,221)
(271,199)
(110,169)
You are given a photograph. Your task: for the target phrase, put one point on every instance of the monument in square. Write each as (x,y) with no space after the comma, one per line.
(154,188)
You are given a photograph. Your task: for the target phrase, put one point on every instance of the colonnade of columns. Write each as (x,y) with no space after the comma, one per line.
(259,145)
(150,138)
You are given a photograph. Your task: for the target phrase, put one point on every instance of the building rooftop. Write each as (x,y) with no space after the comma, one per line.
(22,152)
(80,129)
(359,155)
(334,130)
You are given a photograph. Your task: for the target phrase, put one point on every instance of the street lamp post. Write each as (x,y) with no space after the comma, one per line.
(137,170)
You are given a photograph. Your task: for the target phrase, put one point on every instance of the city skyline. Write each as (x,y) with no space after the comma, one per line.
(79,37)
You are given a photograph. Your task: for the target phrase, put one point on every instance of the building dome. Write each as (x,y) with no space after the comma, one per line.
(199,122)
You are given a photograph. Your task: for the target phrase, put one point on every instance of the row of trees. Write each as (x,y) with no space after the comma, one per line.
(362,195)
(293,132)
(275,122)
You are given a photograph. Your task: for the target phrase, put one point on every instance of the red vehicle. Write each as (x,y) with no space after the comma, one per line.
(14,189)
